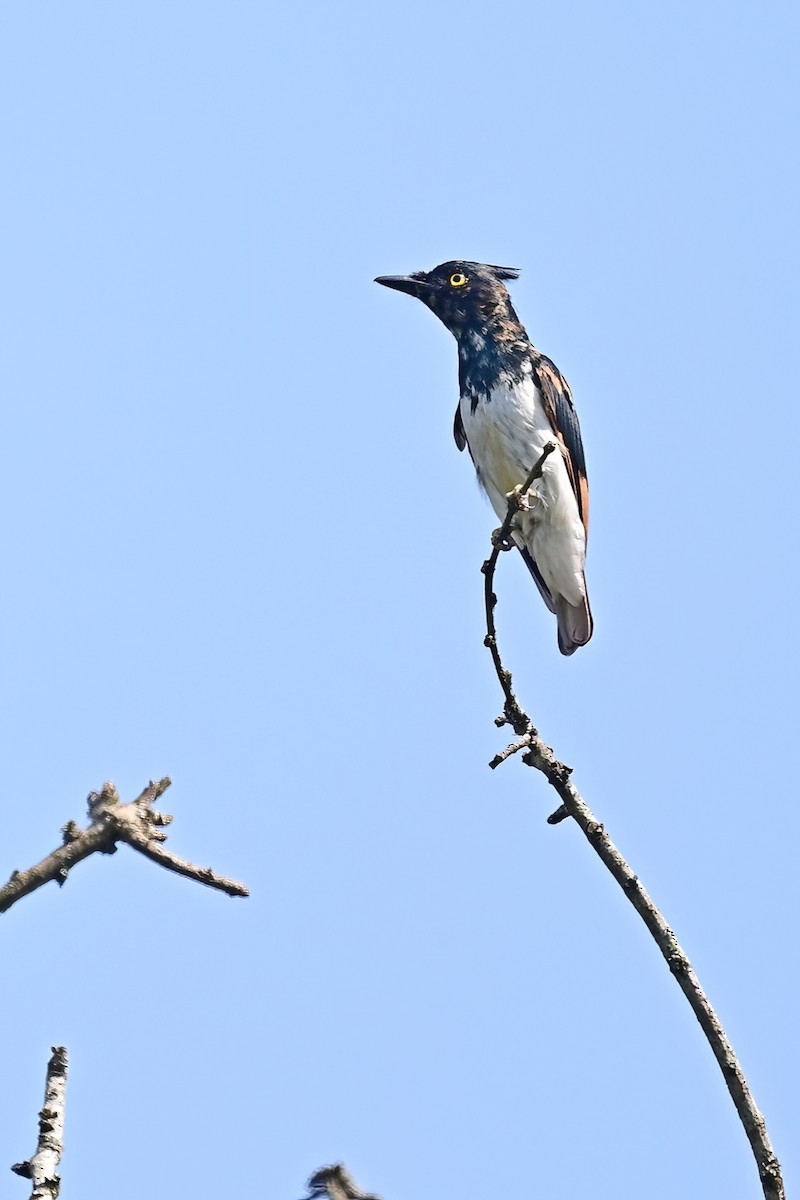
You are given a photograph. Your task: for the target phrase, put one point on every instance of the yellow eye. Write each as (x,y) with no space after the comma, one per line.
(458,280)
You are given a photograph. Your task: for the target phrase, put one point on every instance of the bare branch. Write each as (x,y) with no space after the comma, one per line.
(513,714)
(42,1166)
(138,823)
(539,755)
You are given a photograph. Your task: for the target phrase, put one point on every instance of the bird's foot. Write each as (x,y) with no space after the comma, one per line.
(522,498)
(501,540)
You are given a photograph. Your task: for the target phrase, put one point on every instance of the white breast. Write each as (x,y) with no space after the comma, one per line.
(507,433)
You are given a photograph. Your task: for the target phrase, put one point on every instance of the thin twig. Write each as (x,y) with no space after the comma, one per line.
(137,823)
(513,714)
(540,756)
(42,1166)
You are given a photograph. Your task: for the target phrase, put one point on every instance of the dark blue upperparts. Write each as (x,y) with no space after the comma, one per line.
(484,362)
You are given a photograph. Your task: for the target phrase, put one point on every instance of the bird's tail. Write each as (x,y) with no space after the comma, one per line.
(574,624)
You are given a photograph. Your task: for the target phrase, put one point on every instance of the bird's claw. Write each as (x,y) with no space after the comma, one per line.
(501,540)
(520,497)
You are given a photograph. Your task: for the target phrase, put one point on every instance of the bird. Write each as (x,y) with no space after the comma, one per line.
(336,1183)
(514,401)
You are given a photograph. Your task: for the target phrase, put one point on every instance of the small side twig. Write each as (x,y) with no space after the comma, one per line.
(42,1167)
(539,755)
(138,823)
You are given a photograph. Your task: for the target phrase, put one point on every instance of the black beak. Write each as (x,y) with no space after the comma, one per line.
(406,283)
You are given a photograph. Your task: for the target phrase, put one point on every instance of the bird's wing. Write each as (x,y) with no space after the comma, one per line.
(561,413)
(544,590)
(458,428)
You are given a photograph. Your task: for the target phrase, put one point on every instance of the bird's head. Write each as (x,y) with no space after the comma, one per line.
(464,295)
(335,1183)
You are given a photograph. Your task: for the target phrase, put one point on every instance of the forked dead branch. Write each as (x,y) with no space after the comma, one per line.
(138,823)
(539,755)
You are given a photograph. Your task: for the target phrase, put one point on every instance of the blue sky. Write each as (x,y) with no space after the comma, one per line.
(241,549)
